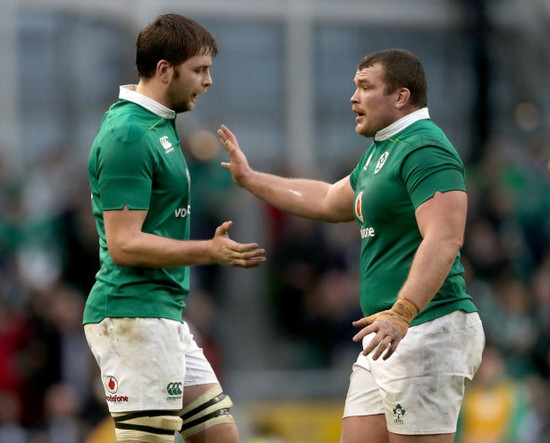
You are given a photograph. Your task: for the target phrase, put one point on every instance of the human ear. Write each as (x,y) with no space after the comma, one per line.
(163,70)
(403,96)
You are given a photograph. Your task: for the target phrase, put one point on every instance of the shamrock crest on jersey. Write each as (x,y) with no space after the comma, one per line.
(381,162)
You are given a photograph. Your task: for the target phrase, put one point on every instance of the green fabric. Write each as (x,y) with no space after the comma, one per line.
(136,161)
(391,180)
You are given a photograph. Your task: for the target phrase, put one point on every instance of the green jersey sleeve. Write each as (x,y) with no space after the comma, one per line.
(126,175)
(430,169)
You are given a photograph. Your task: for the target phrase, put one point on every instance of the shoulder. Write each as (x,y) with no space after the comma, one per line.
(128,122)
(423,133)
(425,136)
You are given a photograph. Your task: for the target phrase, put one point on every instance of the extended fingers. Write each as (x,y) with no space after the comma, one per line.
(387,338)
(248,263)
(247,258)
(387,344)
(226,136)
(244,255)
(380,343)
(365,321)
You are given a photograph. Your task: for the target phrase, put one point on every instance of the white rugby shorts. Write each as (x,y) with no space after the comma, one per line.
(420,388)
(146,362)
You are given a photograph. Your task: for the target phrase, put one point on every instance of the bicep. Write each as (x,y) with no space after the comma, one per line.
(443,216)
(339,201)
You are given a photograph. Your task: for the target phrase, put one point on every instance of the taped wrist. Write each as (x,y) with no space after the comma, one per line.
(401,314)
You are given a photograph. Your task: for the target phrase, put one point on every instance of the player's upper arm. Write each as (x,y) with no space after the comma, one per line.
(443,217)
(338,202)
(122,231)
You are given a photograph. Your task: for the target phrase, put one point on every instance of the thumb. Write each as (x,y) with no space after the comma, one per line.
(224,165)
(223,229)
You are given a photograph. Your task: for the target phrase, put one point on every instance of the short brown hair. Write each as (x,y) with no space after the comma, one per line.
(402,69)
(174,38)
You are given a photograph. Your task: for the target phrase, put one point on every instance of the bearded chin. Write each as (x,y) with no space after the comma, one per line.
(183,107)
(179,106)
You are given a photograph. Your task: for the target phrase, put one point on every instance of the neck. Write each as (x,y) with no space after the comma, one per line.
(152,90)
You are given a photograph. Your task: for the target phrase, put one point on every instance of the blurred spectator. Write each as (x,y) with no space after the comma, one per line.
(210,199)
(495,405)
(13,341)
(512,327)
(11,428)
(298,260)
(330,308)
(200,314)
(536,426)
(62,420)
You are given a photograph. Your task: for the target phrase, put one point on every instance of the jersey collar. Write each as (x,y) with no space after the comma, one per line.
(128,92)
(402,123)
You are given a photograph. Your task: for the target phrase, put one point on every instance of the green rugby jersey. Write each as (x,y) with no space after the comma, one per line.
(136,161)
(407,163)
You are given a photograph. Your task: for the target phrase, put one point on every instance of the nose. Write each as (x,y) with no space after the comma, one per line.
(354,98)
(207,80)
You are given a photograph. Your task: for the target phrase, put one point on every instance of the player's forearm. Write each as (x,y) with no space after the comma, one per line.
(148,250)
(431,265)
(297,196)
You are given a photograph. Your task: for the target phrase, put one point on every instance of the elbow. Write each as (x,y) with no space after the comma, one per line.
(459,242)
(120,256)
(454,246)
(448,246)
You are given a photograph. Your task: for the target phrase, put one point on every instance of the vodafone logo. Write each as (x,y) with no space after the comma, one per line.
(111,384)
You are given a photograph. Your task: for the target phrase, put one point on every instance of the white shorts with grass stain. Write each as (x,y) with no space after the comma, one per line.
(420,388)
(146,363)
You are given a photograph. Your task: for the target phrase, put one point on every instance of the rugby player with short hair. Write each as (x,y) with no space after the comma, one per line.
(156,379)
(407,193)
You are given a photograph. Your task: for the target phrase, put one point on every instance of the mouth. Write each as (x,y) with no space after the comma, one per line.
(359,114)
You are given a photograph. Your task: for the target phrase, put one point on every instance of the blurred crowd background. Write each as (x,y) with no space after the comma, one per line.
(278,336)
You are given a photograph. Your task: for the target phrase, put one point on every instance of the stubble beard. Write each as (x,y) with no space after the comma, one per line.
(364,132)
(179,104)
(184,107)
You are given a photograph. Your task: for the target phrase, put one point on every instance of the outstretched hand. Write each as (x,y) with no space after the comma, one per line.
(230,253)
(238,164)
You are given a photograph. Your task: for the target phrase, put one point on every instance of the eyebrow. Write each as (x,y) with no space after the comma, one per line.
(203,66)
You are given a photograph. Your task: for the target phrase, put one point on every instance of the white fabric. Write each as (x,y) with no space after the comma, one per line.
(146,362)
(128,92)
(421,386)
(402,123)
